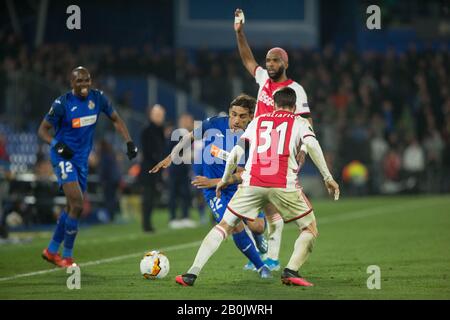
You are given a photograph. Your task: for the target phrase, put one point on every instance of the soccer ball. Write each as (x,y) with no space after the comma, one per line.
(154,265)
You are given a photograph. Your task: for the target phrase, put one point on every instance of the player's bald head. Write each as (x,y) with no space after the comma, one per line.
(280,52)
(79,71)
(81,81)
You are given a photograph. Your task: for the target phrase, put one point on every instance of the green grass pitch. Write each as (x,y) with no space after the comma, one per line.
(407,237)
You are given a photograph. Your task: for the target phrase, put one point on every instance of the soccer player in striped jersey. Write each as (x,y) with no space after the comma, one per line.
(269,80)
(270,176)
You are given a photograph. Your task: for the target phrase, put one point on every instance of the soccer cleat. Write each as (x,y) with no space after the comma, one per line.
(186,280)
(290,277)
(250,266)
(274,265)
(264,272)
(66,262)
(54,258)
(261,243)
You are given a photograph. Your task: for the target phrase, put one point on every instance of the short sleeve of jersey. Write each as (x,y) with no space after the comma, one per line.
(56,113)
(261,75)
(250,132)
(200,130)
(302,106)
(106,105)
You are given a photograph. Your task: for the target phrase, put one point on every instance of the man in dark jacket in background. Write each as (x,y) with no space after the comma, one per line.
(153,146)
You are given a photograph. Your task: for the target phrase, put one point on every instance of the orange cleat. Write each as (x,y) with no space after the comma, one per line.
(66,262)
(54,258)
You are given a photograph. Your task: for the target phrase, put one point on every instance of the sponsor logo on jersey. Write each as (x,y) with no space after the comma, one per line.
(91,104)
(266,99)
(74,108)
(219,153)
(84,121)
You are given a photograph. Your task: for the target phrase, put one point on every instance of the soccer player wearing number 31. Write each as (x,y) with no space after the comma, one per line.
(269,80)
(74,116)
(270,176)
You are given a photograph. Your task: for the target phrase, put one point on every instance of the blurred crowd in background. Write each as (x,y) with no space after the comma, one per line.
(383,118)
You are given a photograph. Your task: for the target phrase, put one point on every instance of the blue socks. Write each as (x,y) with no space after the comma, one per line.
(58,235)
(66,230)
(70,232)
(245,244)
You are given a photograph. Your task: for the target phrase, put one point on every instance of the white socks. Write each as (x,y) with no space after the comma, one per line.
(209,245)
(275,224)
(303,246)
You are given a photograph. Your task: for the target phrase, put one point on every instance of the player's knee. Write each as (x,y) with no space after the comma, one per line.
(311,228)
(239,227)
(76,206)
(228,228)
(257,226)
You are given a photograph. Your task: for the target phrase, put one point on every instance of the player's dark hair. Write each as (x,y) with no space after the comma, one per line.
(245,101)
(285,98)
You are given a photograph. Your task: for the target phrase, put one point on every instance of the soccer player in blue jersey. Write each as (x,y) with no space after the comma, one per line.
(219,135)
(73,116)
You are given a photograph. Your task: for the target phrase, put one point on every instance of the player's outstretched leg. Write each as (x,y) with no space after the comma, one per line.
(302,249)
(210,244)
(275,226)
(51,252)
(247,247)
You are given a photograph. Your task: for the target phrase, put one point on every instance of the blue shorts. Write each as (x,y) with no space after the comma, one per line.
(68,171)
(218,206)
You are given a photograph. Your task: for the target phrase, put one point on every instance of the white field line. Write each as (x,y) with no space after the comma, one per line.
(108,260)
(91,240)
(326,220)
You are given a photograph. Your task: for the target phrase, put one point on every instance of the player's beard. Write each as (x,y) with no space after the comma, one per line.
(275,77)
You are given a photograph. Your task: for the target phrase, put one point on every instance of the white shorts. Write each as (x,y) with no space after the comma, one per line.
(248,201)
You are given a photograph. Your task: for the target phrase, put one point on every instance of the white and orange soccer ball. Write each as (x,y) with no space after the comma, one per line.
(154,265)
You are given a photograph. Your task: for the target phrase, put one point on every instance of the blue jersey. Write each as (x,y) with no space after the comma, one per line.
(74,120)
(215,132)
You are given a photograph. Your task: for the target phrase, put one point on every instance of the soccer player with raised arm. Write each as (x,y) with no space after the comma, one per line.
(270,176)
(73,116)
(219,135)
(269,80)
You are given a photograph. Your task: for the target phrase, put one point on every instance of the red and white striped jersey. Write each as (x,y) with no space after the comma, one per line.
(274,142)
(267,87)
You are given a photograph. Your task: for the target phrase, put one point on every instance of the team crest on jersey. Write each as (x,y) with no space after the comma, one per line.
(91,104)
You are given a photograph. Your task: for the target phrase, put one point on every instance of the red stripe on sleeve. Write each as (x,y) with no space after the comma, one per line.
(254,71)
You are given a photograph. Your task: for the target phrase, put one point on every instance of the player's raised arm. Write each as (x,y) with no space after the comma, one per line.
(244,50)
(167,161)
(121,127)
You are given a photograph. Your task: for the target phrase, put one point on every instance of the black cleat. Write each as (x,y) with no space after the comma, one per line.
(186,279)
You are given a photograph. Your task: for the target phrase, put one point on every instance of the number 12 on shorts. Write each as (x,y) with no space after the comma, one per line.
(65,167)
(215,205)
